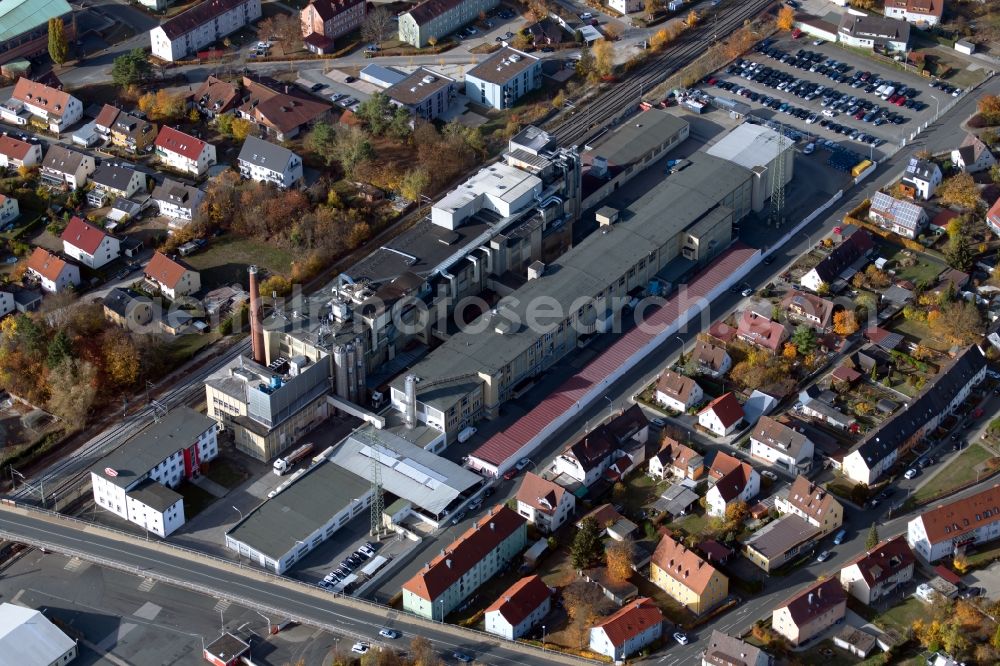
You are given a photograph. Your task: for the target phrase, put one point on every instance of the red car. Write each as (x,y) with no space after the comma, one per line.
(901,101)
(796,33)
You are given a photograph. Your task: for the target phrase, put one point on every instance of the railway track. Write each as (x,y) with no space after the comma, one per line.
(611,104)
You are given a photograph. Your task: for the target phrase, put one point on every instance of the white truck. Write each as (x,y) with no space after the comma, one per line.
(282,465)
(466,434)
(887,93)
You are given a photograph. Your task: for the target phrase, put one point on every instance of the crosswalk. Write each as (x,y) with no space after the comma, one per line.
(74,564)
(147,584)
(222,606)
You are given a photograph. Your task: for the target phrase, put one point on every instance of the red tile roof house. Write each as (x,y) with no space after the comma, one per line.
(89,245)
(811,612)
(183,152)
(53,273)
(993,217)
(923,13)
(15,153)
(57,109)
(172,277)
(677,392)
(814,311)
(628,631)
(740,484)
(328,20)
(761,332)
(678,460)
(523,605)
(588,459)
(878,572)
(470,561)
(281,110)
(950,528)
(722,415)
(545,504)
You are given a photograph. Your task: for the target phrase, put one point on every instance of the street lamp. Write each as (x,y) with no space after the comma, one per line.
(543,636)
(268,622)
(611,407)
(239,512)
(937,106)
(441,605)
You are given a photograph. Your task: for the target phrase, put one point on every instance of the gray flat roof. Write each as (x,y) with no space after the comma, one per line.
(584,270)
(782,535)
(177,430)
(408,471)
(502,66)
(155,495)
(750,145)
(418,86)
(296,512)
(638,136)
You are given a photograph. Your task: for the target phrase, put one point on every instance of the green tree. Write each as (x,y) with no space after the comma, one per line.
(58,44)
(400,127)
(995,639)
(804,339)
(585,65)
(872,540)
(376,113)
(959,253)
(351,148)
(321,140)
(131,68)
(224,122)
(59,348)
(586,544)
(414,183)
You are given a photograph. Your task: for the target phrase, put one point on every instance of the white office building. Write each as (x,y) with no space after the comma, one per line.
(503,78)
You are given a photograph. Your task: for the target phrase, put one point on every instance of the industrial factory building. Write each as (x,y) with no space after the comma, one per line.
(764,152)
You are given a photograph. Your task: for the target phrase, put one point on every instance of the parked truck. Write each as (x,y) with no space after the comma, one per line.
(466,434)
(282,465)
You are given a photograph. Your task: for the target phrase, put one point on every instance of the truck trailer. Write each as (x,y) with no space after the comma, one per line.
(283,465)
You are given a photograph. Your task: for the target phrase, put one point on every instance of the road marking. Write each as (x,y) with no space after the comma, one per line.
(222,606)
(115,637)
(148,611)
(74,564)
(147,584)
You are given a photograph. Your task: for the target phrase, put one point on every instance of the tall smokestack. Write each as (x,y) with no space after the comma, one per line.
(256,320)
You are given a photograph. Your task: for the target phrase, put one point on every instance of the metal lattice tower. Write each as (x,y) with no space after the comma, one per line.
(378,502)
(778,184)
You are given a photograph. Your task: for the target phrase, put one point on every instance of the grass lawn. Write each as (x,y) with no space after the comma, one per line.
(901,617)
(983,558)
(225,473)
(828,654)
(959,471)
(196,500)
(926,268)
(183,347)
(692,524)
(919,330)
(226,259)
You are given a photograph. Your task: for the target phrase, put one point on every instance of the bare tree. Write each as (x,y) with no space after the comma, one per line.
(375,29)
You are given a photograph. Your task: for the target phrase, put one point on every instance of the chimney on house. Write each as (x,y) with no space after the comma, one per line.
(256,320)
(448,563)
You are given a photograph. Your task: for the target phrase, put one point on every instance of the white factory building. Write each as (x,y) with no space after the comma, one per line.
(757,148)
(138,480)
(28,638)
(499,187)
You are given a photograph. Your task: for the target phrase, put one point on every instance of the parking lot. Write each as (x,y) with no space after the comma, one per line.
(831,93)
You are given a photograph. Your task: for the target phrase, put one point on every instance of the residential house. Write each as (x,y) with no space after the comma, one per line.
(844,260)
(921,179)
(809,309)
(105,120)
(677,392)
(883,338)
(545,504)
(818,404)
(470,561)
(726,650)
(172,277)
(992,217)
(900,217)
(503,78)
(9,209)
(200,26)
(88,244)
(215,97)
(184,152)
(722,415)
(679,461)
(177,200)
(521,606)
(431,20)
(760,331)
(628,631)
(424,93)
(280,110)
(812,503)
(133,134)
(712,360)
(881,447)
(65,167)
(127,308)
(686,577)
(858,642)
(781,541)
(7,303)
(871,31)
(546,32)
(323,21)
(588,459)
(265,162)
(948,529)
(740,484)
(15,153)
(26,32)
(53,273)
(973,155)
(810,612)
(626,6)
(112,181)
(922,13)
(778,444)
(875,574)
(54,109)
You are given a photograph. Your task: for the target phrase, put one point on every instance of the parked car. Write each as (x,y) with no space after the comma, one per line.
(459,517)
(768,474)
(390,633)
(823,557)
(462,657)
(360,648)
(839,538)
(910,473)
(681,638)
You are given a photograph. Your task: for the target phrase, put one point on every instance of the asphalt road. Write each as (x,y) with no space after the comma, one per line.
(318,608)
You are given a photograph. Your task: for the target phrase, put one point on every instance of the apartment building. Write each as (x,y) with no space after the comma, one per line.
(55,109)
(686,577)
(810,612)
(813,503)
(323,21)
(425,93)
(88,244)
(949,529)
(636,625)
(183,152)
(432,20)
(545,504)
(265,162)
(177,200)
(133,134)
(112,181)
(503,78)
(521,606)
(138,481)
(200,26)
(471,560)
(877,573)
(64,167)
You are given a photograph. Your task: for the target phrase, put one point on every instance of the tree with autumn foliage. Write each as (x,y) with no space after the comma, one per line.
(786,18)
(604,58)
(845,323)
(619,555)
(960,190)
(789,351)
(989,108)
(692,19)
(581,600)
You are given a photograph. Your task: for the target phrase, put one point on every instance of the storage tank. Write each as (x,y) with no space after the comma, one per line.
(352,387)
(410,386)
(340,371)
(360,375)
